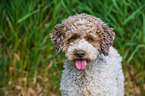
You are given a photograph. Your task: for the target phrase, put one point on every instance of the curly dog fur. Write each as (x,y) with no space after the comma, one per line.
(93,66)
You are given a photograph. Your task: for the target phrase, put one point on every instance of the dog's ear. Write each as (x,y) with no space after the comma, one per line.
(57,37)
(107,36)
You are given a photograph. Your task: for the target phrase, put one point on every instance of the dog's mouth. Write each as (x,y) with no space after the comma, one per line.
(81,64)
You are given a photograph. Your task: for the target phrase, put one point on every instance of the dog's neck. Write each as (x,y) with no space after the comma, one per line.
(82,77)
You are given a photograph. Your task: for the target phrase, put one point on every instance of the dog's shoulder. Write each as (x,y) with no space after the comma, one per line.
(113,53)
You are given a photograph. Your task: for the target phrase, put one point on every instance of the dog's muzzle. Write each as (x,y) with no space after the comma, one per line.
(80,60)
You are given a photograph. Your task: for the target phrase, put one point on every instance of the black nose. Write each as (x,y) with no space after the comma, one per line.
(79,53)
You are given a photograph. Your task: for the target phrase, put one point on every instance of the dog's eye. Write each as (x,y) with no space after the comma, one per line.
(90,39)
(73,38)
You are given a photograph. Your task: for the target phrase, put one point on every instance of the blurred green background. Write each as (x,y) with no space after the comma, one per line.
(29,65)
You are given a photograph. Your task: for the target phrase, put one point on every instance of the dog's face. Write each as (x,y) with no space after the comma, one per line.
(82,38)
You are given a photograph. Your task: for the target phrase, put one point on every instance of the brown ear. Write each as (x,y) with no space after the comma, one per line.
(57,37)
(107,36)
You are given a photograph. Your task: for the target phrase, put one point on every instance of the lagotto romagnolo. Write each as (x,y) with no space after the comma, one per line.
(93,66)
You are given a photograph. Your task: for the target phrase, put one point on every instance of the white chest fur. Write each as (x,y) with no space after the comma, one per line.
(102,78)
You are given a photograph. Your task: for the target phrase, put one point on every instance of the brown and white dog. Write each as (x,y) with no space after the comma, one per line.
(93,66)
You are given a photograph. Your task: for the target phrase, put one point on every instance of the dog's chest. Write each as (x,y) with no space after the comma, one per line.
(85,83)
(96,80)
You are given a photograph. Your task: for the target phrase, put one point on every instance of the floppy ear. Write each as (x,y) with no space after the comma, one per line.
(107,36)
(57,37)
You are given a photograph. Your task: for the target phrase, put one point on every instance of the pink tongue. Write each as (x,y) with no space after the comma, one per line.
(81,64)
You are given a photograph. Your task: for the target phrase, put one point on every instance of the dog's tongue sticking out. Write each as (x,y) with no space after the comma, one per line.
(81,64)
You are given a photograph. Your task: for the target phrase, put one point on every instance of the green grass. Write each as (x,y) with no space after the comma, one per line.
(29,65)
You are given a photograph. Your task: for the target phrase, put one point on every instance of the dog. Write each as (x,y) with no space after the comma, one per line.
(93,66)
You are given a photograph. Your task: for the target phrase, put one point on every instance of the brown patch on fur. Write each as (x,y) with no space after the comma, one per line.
(57,37)
(70,39)
(106,38)
(94,40)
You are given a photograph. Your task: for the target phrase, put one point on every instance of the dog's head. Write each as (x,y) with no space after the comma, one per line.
(82,38)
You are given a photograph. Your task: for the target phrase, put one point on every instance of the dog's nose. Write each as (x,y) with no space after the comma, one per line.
(80,53)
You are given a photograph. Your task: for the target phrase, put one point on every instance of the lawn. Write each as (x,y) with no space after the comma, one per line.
(29,65)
